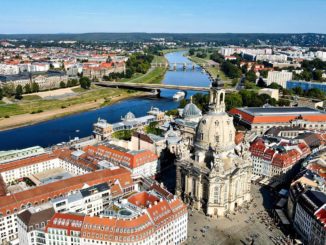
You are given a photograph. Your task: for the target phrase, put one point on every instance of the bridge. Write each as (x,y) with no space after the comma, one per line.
(184,65)
(155,88)
(149,87)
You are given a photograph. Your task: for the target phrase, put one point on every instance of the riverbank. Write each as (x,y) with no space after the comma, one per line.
(30,119)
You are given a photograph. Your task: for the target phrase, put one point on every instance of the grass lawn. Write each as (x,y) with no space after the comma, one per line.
(31,97)
(154,75)
(29,106)
(214,71)
(159,59)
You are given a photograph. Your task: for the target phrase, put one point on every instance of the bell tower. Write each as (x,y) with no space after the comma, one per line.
(216,98)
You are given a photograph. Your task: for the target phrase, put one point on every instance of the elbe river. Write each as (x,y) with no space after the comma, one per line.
(80,125)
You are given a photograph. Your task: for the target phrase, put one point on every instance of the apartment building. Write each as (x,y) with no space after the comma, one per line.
(274,158)
(15,203)
(279,77)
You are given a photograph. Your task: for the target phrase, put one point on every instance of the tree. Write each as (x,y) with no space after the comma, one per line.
(35,87)
(316,93)
(251,76)
(191,52)
(1,93)
(317,75)
(233,100)
(249,85)
(85,82)
(263,73)
(27,88)
(62,84)
(275,86)
(19,92)
(298,91)
(230,70)
(8,90)
(282,102)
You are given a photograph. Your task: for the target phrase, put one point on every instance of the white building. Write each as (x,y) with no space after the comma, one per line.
(89,201)
(9,69)
(144,218)
(279,77)
(13,155)
(31,225)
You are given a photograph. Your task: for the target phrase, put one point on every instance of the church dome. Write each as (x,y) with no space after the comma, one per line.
(191,111)
(129,116)
(215,131)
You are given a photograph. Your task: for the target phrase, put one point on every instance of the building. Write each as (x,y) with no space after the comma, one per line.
(143,218)
(15,203)
(103,129)
(89,201)
(9,69)
(260,119)
(279,77)
(13,155)
(31,225)
(310,217)
(151,142)
(140,163)
(275,158)
(290,84)
(216,177)
(273,93)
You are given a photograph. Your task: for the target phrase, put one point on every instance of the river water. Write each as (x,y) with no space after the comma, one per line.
(80,125)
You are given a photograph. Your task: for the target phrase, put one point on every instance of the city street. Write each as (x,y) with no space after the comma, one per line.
(246,226)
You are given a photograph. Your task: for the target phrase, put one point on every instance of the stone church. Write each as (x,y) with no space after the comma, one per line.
(215,175)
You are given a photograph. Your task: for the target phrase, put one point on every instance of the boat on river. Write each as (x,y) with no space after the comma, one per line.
(179,95)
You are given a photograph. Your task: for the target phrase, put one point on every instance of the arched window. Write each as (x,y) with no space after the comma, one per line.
(216,194)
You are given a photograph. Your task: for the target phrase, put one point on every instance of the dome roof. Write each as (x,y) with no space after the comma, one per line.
(129,116)
(190,111)
(216,131)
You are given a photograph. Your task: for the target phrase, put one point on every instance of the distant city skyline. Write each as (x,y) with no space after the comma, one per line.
(182,16)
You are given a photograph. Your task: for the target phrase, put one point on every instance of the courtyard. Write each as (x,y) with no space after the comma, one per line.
(248,225)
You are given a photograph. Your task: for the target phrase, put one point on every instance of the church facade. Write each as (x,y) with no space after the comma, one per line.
(214,175)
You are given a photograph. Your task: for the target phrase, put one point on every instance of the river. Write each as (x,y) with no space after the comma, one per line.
(80,125)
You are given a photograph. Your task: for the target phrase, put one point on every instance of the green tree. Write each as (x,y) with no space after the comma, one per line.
(298,91)
(19,92)
(263,73)
(316,93)
(249,85)
(27,88)
(8,90)
(1,93)
(233,100)
(35,87)
(275,86)
(62,84)
(183,103)
(317,75)
(85,82)
(282,102)
(251,76)
(191,52)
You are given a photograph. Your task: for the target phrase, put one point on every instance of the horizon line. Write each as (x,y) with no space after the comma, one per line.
(79,33)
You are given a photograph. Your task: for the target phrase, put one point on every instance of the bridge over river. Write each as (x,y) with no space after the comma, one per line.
(155,88)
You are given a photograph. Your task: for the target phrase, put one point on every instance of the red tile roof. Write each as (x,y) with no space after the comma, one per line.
(68,222)
(41,193)
(121,157)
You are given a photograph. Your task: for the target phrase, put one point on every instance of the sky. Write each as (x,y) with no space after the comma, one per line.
(170,16)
